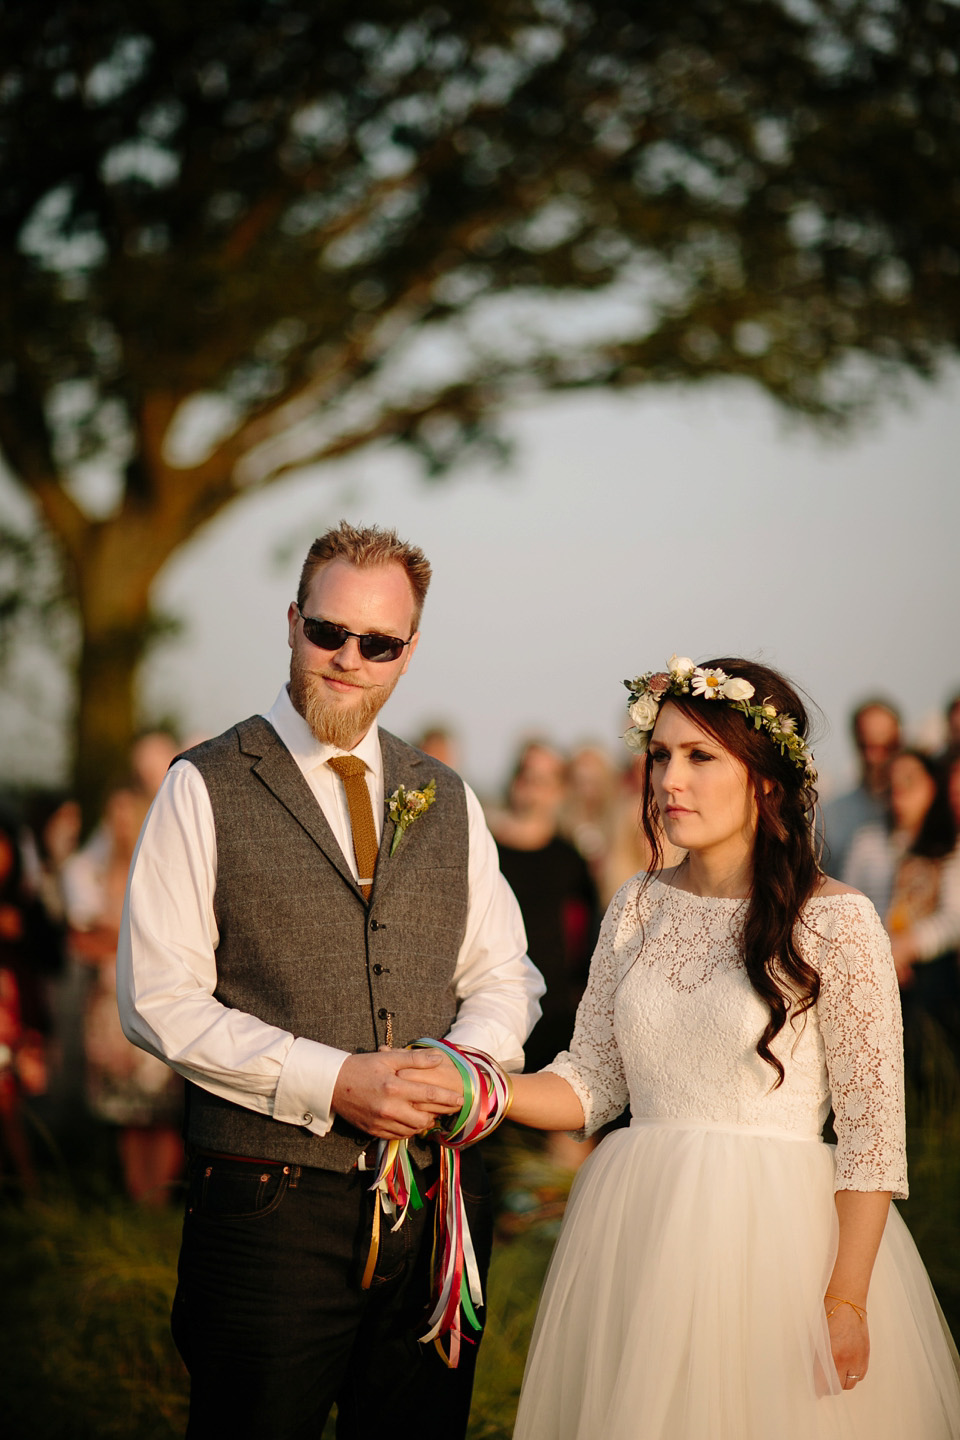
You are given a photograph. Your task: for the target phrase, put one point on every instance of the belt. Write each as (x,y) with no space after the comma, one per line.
(368,1156)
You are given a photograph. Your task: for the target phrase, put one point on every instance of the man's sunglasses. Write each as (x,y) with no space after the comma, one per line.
(327,636)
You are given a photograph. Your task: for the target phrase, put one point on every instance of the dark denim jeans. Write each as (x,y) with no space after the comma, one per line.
(272,1323)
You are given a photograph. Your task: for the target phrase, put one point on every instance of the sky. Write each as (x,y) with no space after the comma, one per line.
(700,521)
(625,528)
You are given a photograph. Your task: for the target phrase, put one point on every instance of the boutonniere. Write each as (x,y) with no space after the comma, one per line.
(405,806)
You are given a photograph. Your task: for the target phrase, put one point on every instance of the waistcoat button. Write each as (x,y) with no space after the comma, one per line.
(382,1014)
(378,969)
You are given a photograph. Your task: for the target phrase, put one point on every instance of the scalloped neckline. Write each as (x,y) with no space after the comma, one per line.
(739,899)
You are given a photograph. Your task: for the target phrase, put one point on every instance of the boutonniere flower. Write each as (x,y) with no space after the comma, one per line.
(404,806)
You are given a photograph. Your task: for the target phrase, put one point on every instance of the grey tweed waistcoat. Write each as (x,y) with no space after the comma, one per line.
(299,946)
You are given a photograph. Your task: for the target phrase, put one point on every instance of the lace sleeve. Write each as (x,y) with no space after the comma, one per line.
(592,1066)
(859,1015)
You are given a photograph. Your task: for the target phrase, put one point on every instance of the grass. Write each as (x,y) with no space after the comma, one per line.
(933,1209)
(86,1280)
(85,1290)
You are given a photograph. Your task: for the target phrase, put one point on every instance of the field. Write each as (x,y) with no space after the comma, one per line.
(86,1280)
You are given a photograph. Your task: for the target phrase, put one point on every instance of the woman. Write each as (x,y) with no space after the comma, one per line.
(554,889)
(30,952)
(126,1087)
(708,1283)
(910,868)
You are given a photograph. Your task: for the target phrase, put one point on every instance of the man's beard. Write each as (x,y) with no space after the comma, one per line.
(333,724)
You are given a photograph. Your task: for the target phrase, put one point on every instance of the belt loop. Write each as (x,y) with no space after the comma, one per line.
(294,1176)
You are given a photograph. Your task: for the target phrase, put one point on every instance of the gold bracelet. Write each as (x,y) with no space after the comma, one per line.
(859,1308)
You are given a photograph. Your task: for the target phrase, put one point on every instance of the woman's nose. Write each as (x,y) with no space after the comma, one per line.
(673,773)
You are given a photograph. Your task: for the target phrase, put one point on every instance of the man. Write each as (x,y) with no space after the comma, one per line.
(951,715)
(271,967)
(876,734)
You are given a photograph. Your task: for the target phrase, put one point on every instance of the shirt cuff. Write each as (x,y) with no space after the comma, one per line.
(305,1088)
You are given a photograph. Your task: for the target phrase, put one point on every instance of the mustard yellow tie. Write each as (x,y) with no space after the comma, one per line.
(352,772)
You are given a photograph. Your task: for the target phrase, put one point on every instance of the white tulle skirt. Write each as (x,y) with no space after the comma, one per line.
(685,1302)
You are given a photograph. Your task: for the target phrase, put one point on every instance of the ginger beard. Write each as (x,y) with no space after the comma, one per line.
(340,721)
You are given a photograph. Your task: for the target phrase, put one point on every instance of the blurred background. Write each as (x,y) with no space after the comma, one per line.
(642,321)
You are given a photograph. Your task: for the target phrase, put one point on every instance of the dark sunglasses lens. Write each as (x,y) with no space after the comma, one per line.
(327,636)
(380,647)
(323,634)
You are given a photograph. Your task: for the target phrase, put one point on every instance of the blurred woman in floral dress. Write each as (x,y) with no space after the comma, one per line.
(125,1086)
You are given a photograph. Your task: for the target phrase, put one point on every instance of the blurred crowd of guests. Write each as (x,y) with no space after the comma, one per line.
(895,837)
(62,1051)
(567,833)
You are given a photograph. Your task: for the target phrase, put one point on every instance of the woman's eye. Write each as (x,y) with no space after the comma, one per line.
(658,756)
(700,755)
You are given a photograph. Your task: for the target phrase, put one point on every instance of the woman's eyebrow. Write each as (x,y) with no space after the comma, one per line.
(684,744)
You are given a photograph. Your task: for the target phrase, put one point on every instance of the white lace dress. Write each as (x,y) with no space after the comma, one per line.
(685,1297)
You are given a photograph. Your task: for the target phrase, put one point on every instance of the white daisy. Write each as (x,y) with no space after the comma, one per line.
(708,683)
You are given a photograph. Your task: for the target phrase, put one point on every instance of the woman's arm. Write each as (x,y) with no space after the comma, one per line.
(545,1102)
(862,1216)
(859,1015)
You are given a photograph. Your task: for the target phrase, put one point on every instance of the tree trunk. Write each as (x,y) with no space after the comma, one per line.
(113,570)
(105,712)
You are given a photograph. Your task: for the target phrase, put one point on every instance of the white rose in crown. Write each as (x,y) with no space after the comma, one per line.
(681,665)
(736,688)
(637,741)
(643,712)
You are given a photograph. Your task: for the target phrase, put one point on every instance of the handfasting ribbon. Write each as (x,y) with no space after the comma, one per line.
(454,1272)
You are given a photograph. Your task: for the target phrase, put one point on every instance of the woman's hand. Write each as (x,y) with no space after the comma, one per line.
(861,1216)
(849,1342)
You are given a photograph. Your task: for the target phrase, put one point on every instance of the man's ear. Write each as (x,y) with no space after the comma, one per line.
(408,654)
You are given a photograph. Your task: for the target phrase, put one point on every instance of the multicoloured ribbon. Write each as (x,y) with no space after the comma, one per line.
(454,1272)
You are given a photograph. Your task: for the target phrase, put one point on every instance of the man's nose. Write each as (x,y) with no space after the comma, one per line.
(348,657)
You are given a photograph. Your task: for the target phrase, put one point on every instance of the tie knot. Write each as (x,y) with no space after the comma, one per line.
(347,766)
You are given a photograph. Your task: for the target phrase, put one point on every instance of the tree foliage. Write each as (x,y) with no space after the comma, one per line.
(361,221)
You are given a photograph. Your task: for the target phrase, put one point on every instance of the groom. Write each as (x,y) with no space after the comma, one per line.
(276,939)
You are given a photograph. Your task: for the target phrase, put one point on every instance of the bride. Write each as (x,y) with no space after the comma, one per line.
(722,1274)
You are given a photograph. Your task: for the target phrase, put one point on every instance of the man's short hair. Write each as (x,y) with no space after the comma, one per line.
(366,549)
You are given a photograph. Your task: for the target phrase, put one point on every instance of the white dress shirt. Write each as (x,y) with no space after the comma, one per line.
(166,960)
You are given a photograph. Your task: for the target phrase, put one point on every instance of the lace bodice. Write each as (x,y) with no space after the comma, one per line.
(670,1022)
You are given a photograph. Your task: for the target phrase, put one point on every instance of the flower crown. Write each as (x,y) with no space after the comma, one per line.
(682,677)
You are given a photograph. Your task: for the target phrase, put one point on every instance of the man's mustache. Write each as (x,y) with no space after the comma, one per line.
(346,680)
